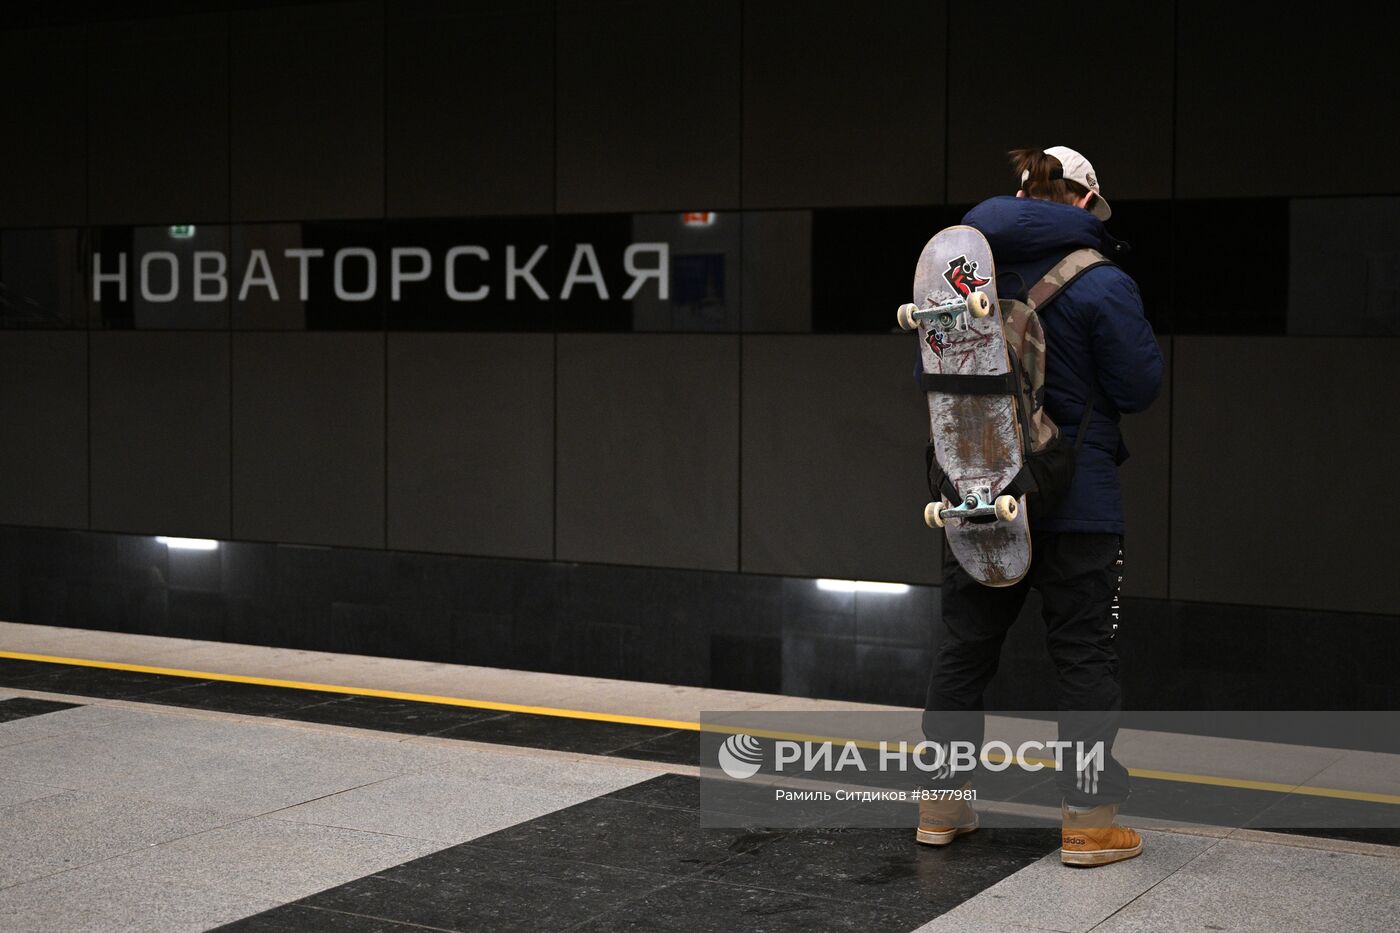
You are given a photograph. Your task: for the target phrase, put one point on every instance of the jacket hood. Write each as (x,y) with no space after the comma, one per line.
(1025,229)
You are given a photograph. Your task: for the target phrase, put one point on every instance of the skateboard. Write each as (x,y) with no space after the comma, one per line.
(975,436)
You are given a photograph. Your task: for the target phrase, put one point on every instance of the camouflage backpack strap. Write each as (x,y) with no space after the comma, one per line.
(1064,272)
(1043,292)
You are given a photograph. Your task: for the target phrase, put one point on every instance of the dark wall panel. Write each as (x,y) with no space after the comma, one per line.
(648,459)
(43,179)
(43,420)
(834,433)
(776,271)
(471,444)
(1278,492)
(843,106)
(308,112)
(1028,74)
(1258,88)
(308,438)
(158,117)
(648,112)
(470,108)
(160,433)
(1146,478)
(41,277)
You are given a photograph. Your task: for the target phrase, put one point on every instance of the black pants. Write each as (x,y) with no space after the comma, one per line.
(1078,577)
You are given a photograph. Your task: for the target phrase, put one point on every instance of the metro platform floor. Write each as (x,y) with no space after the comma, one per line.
(136,800)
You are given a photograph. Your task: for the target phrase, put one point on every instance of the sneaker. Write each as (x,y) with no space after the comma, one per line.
(1092,838)
(942,821)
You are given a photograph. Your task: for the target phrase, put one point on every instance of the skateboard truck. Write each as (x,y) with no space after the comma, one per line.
(945,314)
(978,504)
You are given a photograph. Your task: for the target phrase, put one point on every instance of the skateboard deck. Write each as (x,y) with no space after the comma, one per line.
(975,437)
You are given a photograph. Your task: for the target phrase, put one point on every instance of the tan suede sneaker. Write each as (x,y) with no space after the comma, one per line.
(942,821)
(1092,838)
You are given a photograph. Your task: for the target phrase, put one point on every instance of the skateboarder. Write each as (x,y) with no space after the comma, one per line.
(1100,350)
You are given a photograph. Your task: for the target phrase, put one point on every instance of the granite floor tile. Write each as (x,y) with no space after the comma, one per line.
(681,791)
(238,698)
(20,731)
(679,747)
(723,800)
(100,899)
(737,803)
(1238,905)
(76,760)
(1371,836)
(1053,896)
(314,748)
(200,731)
(1224,757)
(560,733)
(85,681)
(1304,872)
(386,715)
(17,869)
(623,834)
(74,828)
(14,792)
(886,865)
(523,768)
(26,728)
(1292,812)
(244,782)
(1365,771)
(14,672)
(24,707)
(1250,886)
(256,783)
(272,859)
(446,807)
(475,889)
(986,926)
(707,907)
(293,918)
(175,728)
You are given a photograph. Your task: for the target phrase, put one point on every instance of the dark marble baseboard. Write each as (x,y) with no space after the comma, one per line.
(697,628)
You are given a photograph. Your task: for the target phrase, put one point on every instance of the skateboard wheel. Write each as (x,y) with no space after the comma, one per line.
(933,514)
(906,317)
(979,304)
(1006,508)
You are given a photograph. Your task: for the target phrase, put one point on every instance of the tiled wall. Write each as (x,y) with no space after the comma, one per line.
(428,107)
(837,135)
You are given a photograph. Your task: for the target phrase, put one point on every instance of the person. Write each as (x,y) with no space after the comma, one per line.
(1100,351)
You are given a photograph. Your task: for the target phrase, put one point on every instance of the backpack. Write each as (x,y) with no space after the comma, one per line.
(1048,463)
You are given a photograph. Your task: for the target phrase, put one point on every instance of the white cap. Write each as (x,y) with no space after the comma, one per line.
(1077,169)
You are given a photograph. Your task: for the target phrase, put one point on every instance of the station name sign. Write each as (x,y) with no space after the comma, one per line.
(463,273)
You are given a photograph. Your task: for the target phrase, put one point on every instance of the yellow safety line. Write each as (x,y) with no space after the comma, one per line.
(1177,776)
(1305,789)
(359,691)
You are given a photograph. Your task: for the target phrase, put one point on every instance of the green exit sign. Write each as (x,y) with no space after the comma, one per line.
(182,231)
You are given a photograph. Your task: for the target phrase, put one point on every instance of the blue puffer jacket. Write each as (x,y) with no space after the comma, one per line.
(1095,329)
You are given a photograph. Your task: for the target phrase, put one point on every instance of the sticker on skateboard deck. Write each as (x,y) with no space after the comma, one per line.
(974,436)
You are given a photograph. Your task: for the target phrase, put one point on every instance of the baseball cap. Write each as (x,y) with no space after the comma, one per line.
(1078,169)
